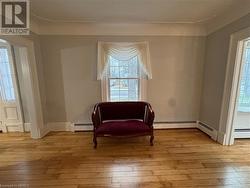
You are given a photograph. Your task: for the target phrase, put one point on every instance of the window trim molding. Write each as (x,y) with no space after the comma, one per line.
(143,89)
(104,89)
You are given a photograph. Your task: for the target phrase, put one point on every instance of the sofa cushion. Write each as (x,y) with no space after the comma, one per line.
(122,128)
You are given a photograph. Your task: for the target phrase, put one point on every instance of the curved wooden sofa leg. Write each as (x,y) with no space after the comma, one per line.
(95,141)
(152,140)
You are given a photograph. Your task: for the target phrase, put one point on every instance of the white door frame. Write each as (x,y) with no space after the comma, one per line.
(37,128)
(17,123)
(231,85)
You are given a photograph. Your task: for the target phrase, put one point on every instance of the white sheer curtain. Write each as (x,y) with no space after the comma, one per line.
(123,51)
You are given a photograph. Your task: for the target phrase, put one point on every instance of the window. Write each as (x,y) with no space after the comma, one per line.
(6,82)
(123,79)
(244,95)
(123,68)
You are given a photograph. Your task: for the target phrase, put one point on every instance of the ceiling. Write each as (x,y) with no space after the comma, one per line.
(141,11)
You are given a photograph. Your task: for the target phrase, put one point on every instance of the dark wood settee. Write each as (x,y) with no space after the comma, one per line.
(121,119)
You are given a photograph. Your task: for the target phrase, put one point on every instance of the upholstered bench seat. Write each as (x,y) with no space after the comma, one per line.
(122,119)
(122,128)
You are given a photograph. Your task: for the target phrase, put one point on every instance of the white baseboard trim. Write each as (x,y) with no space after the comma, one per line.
(27,127)
(208,130)
(221,138)
(60,126)
(44,132)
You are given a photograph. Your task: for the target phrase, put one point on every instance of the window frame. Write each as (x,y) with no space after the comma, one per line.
(105,87)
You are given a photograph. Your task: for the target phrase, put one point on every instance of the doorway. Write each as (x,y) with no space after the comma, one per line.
(241,121)
(10,104)
(235,112)
(26,49)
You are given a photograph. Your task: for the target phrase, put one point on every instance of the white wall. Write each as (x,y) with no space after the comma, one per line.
(71,87)
(217,46)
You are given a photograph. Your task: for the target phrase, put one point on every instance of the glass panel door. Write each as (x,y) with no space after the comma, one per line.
(10,108)
(6,77)
(244,94)
(242,112)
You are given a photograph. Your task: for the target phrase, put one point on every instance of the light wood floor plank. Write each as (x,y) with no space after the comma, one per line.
(179,158)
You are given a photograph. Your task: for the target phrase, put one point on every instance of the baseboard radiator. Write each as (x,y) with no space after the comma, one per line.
(214,134)
(83,126)
(157,125)
(208,130)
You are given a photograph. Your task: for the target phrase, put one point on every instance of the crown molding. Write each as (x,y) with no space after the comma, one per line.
(229,16)
(42,27)
(198,21)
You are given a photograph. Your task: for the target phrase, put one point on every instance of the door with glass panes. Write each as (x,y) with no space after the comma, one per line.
(242,111)
(10,110)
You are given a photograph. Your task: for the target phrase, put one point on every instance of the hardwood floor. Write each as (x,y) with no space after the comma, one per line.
(179,158)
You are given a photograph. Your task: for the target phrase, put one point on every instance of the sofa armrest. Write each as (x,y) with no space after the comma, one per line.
(149,116)
(96,119)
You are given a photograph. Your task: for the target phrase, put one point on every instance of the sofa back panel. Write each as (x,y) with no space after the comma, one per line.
(122,110)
